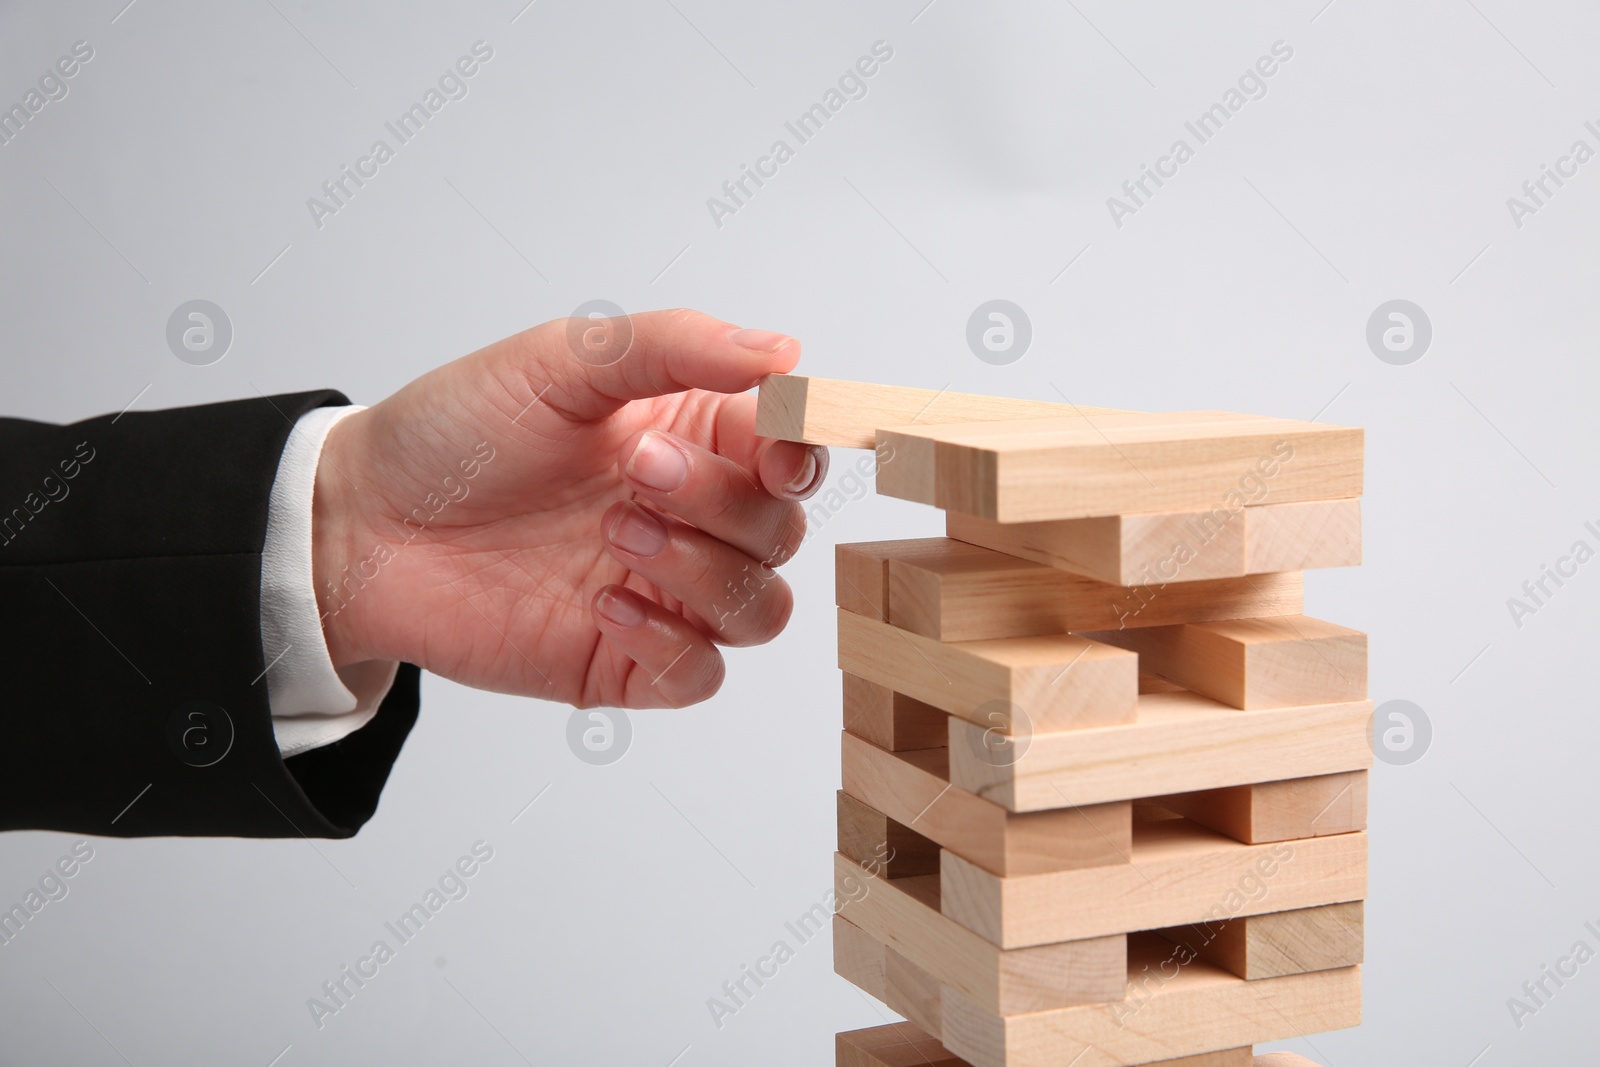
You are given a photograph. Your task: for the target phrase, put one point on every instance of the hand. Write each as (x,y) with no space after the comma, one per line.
(530,521)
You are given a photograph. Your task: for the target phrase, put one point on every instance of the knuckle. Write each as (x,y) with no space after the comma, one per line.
(725,504)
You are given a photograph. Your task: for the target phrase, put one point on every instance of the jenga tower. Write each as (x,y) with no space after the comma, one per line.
(1105,783)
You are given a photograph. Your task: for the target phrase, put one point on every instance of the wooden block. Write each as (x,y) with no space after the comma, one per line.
(960,592)
(1153,548)
(1181,742)
(1135,549)
(826,411)
(904,1045)
(895,1045)
(904,915)
(1229,1057)
(1180,873)
(884,974)
(1201,1008)
(891,720)
(1279,943)
(1047,469)
(861,959)
(1013,684)
(914,788)
(874,840)
(1154,683)
(1148,810)
(917,992)
(1254,663)
(909,457)
(861,572)
(1296,537)
(1279,811)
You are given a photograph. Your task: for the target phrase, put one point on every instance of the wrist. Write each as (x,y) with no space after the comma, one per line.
(334,560)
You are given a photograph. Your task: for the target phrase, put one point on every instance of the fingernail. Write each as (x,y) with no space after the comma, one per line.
(759,340)
(636,530)
(806,477)
(620,610)
(658,464)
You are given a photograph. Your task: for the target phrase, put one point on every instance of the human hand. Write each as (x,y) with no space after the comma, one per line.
(527,520)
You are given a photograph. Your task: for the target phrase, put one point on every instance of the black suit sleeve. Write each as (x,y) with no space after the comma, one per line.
(134,701)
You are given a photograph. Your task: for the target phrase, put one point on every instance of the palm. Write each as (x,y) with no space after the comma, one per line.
(479,496)
(501,593)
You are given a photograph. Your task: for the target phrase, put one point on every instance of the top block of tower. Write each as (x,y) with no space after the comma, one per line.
(826,411)
(1074,463)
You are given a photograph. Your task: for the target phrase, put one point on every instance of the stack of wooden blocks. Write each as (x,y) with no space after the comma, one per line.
(1104,782)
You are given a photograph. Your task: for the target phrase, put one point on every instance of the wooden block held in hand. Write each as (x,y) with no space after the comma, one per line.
(1047,469)
(828,411)
(1179,873)
(874,840)
(891,720)
(914,788)
(1013,684)
(1279,811)
(1180,741)
(961,592)
(1279,943)
(1254,663)
(904,914)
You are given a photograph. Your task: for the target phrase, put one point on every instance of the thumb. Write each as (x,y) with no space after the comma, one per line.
(592,367)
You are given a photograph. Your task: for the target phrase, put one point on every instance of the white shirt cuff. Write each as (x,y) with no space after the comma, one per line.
(312,703)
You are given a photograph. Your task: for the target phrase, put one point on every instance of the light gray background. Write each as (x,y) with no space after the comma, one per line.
(978,166)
